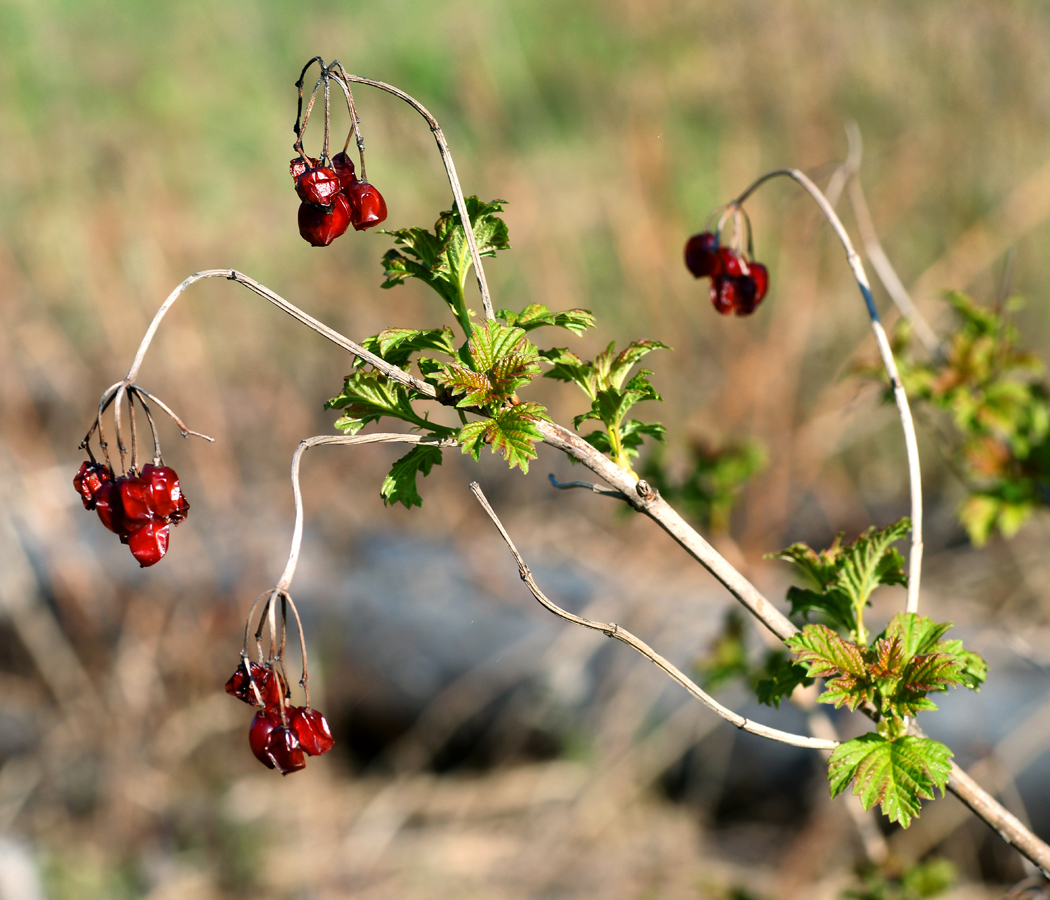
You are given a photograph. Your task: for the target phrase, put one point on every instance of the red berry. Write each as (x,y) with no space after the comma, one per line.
(149,543)
(299,165)
(314,735)
(240,685)
(701,255)
(730,261)
(320,226)
(369,207)
(259,735)
(761,275)
(746,296)
(89,480)
(343,166)
(137,499)
(319,186)
(109,507)
(283,750)
(723,294)
(166,493)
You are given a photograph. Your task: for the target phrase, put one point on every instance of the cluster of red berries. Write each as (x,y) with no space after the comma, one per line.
(139,509)
(333,199)
(737,285)
(280,734)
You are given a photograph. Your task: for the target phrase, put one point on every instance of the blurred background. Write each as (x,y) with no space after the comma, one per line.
(486,749)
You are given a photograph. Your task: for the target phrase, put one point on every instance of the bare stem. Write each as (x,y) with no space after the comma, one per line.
(908,426)
(450,170)
(586,485)
(611,629)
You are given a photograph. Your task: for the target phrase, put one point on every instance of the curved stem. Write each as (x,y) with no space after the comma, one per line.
(453,179)
(323,440)
(908,426)
(611,629)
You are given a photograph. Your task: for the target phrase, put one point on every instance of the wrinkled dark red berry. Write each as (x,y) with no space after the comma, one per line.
(701,255)
(723,294)
(299,165)
(368,205)
(284,752)
(165,492)
(730,262)
(137,500)
(259,735)
(746,295)
(320,226)
(761,275)
(149,542)
(240,686)
(319,186)
(89,480)
(343,166)
(314,735)
(109,507)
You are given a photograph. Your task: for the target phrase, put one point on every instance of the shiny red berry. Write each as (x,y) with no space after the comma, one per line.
(284,752)
(299,165)
(314,735)
(369,207)
(240,685)
(319,186)
(165,491)
(109,507)
(723,294)
(761,275)
(730,261)
(137,500)
(89,480)
(701,255)
(320,226)
(259,735)
(343,166)
(746,295)
(149,542)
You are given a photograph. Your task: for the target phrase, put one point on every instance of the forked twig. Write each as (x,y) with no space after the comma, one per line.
(611,629)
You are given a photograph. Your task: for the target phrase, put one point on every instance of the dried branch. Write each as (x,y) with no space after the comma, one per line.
(908,426)
(611,629)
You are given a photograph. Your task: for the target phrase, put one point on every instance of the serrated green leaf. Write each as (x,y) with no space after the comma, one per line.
(396,345)
(780,678)
(499,359)
(567,366)
(400,485)
(871,560)
(368,396)
(536,315)
(511,432)
(896,774)
(824,654)
(833,603)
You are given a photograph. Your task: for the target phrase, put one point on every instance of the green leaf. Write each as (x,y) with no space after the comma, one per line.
(499,360)
(400,485)
(824,654)
(871,560)
(536,315)
(368,396)
(567,366)
(396,345)
(780,678)
(896,774)
(511,432)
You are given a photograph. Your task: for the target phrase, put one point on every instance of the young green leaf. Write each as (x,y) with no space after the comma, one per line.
(536,315)
(896,774)
(368,396)
(779,678)
(824,654)
(400,485)
(499,360)
(511,431)
(396,345)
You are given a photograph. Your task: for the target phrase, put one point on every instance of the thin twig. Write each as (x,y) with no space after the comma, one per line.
(611,629)
(453,179)
(590,486)
(285,580)
(908,426)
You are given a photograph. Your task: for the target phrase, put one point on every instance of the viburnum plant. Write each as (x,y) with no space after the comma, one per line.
(482,367)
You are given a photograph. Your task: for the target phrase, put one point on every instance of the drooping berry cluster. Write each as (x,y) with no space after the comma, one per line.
(139,509)
(333,198)
(737,284)
(281,735)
